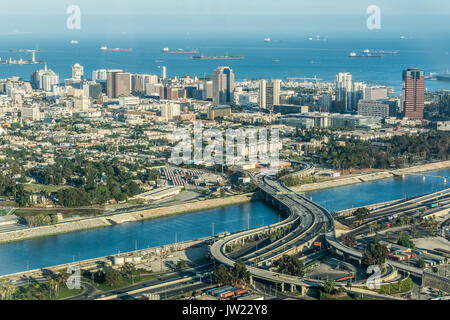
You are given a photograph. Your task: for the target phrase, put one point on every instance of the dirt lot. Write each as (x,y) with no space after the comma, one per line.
(432,243)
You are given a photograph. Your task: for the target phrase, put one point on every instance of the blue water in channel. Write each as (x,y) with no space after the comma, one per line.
(64,248)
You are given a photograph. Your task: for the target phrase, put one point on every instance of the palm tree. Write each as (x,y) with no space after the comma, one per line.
(10,290)
(3,292)
(61,279)
(371,225)
(52,285)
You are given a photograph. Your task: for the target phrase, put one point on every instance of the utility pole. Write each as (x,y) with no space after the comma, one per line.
(161,258)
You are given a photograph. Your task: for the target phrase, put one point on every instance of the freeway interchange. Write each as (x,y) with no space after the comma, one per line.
(306,221)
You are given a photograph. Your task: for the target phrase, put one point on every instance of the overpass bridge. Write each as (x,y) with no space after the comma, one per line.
(423,175)
(306,221)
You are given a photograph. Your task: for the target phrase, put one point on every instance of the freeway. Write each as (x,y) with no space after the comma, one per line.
(365,229)
(308,220)
(217,250)
(160,281)
(410,206)
(311,220)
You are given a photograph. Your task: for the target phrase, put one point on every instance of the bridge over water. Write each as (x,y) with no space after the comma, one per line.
(307,221)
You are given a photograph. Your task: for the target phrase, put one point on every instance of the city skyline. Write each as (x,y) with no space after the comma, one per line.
(225,151)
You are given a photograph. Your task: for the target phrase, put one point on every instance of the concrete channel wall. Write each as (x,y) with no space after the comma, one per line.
(106,221)
(435,281)
(89,263)
(371,176)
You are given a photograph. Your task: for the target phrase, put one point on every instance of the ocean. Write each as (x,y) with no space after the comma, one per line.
(290,57)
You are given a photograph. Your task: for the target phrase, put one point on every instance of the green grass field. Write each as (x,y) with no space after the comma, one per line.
(400,287)
(42,291)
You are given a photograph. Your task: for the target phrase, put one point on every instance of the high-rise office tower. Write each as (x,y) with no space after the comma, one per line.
(223,86)
(123,84)
(48,80)
(413,93)
(164,72)
(100,75)
(140,81)
(262,94)
(273,94)
(34,79)
(358,92)
(344,88)
(111,83)
(269,94)
(208,89)
(118,83)
(77,71)
(44,79)
(92,89)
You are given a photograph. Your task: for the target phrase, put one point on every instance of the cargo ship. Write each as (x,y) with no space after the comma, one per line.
(105,48)
(443,77)
(167,50)
(227,57)
(384,51)
(364,55)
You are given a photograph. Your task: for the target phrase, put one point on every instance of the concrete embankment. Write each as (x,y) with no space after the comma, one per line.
(344,181)
(97,222)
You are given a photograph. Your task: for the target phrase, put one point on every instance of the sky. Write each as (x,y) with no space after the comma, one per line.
(414,18)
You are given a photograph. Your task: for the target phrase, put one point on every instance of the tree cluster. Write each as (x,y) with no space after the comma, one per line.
(238,274)
(406,241)
(375,254)
(290,265)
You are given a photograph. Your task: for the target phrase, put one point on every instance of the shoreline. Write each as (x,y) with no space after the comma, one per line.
(369,177)
(108,221)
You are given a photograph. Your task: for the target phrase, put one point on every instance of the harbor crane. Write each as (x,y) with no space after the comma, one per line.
(33,52)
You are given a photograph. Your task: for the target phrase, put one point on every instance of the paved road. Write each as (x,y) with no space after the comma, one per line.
(95,294)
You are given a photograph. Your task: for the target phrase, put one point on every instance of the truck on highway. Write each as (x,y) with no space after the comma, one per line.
(435,205)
